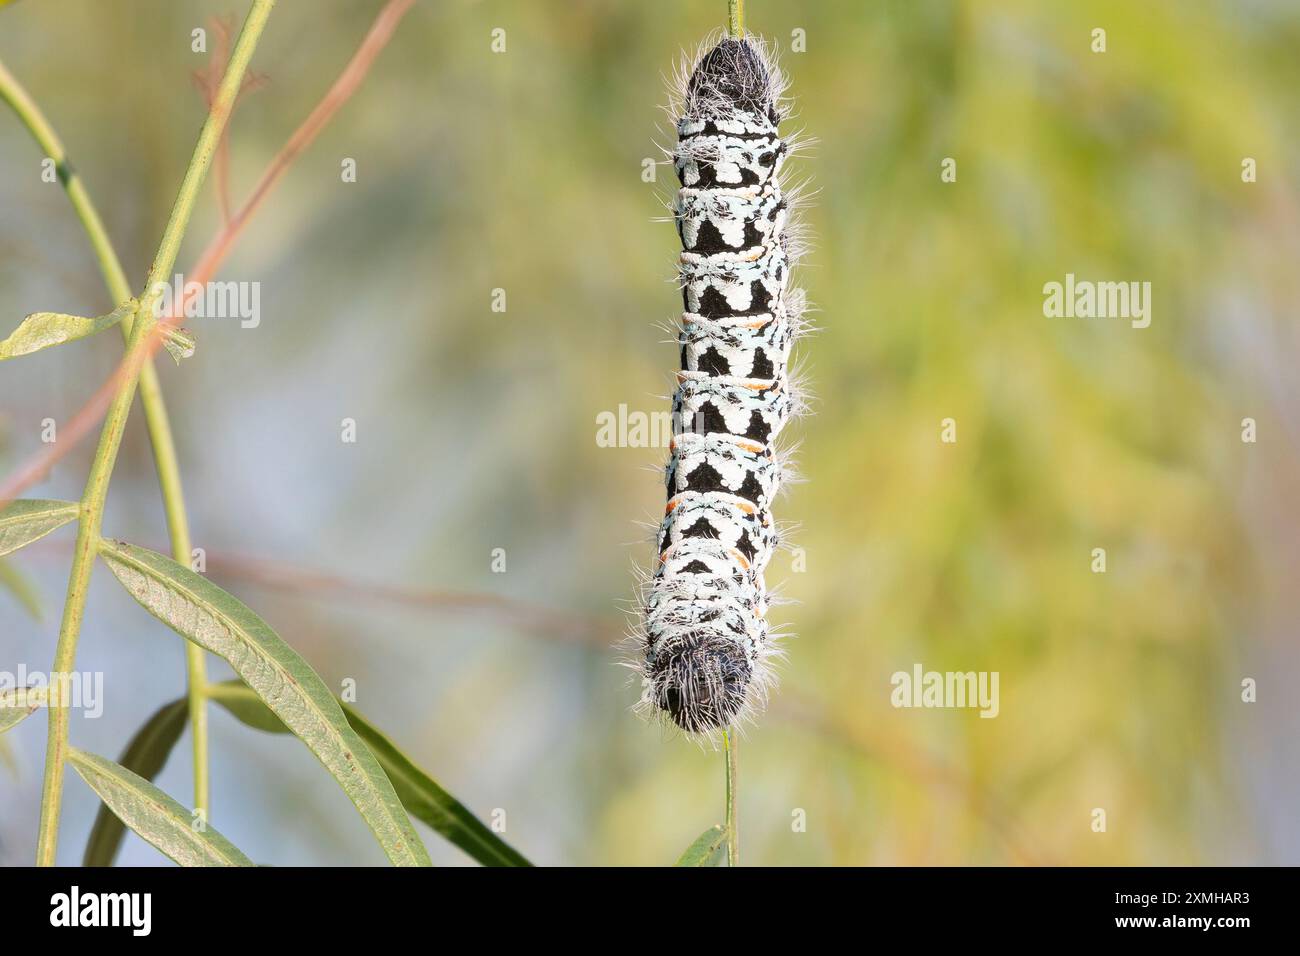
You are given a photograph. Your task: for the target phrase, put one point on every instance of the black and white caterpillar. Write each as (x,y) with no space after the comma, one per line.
(706,644)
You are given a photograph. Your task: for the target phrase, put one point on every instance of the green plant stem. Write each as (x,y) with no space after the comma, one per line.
(736,18)
(110,439)
(151,398)
(733,834)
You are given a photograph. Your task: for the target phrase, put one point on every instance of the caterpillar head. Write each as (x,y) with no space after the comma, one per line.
(733,75)
(701,680)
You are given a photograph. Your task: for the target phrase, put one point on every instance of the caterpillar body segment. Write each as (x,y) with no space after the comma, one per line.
(742,283)
(723,463)
(705,640)
(754,408)
(726,518)
(725,220)
(739,347)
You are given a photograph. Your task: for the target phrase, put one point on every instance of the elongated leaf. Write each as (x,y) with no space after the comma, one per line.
(40,330)
(155,816)
(708,849)
(145,755)
(420,793)
(28,519)
(203,613)
(24,592)
(19,703)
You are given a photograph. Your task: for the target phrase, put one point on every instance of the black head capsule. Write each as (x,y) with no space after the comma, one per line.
(733,73)
(702,682)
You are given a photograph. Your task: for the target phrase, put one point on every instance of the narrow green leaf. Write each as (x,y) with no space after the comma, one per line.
(24,592)
(19,703)
(145,755)
(205,614)
(419,793)
(248,708)
(709,849)
(40,330)
(27,519)
(158,818)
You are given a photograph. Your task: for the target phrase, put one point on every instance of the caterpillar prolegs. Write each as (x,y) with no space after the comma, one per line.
(706,641)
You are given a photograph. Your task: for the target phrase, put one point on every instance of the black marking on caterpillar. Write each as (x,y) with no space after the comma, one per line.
(704,644)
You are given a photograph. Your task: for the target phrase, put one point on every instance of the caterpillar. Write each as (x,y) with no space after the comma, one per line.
(705,643)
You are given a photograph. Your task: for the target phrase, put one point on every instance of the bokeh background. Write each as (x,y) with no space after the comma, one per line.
(477,430)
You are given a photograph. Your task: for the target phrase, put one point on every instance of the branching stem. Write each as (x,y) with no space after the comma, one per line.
(155,410)
(101,469)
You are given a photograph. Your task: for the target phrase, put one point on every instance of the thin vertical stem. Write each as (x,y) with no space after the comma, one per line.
(157,420)
(733,834)
(101,468)
(736,18)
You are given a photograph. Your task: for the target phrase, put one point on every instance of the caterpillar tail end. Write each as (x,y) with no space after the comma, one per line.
(702,683)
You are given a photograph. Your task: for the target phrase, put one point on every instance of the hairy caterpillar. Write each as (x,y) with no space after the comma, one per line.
(704,638)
